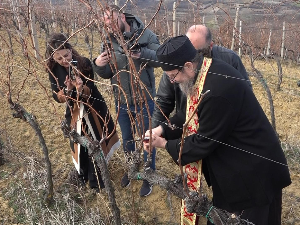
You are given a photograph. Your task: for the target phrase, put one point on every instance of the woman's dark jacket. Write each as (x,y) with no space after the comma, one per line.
(94,103)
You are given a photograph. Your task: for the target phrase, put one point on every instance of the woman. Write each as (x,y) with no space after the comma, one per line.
(71,77)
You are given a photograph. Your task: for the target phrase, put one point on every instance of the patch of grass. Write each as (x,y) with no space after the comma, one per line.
(29,207)
(12,196)
(4,174)
(292,153)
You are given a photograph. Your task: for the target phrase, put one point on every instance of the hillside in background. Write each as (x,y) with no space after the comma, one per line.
(214,11)
(249,10)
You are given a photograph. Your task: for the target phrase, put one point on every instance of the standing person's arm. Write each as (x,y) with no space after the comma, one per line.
(238,64)
(101,65)
(231,58)
(165,99)
(148,53)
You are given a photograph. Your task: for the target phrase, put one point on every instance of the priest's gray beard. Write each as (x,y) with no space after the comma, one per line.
(187,86)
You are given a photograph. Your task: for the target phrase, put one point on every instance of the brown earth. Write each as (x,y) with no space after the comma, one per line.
(158,208)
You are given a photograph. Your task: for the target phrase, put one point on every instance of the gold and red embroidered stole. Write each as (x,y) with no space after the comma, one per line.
(194,170)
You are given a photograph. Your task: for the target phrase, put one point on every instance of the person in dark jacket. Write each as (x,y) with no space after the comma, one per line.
(86,110)
(242,158)
(132,77)
(201,38)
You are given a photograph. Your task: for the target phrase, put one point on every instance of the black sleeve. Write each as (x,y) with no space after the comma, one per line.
(90,75)
(174,130)
(54,87)
(217,118)
(165,99)
(104,72)
(88,82)
(237,63)
(148,54)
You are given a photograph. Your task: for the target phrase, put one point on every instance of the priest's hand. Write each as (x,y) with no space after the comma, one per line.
(156,141)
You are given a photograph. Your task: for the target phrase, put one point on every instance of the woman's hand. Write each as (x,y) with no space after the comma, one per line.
(78,84)
(69,83)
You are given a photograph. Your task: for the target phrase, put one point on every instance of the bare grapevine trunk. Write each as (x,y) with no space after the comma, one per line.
(21,113)
(95,151)
(1,153)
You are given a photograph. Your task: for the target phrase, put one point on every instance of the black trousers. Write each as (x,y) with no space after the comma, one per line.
(88,170)
(263,215)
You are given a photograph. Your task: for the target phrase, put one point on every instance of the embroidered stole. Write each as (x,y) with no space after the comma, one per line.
(194,170)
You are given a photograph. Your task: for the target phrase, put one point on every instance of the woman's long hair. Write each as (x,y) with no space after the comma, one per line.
(57,41)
